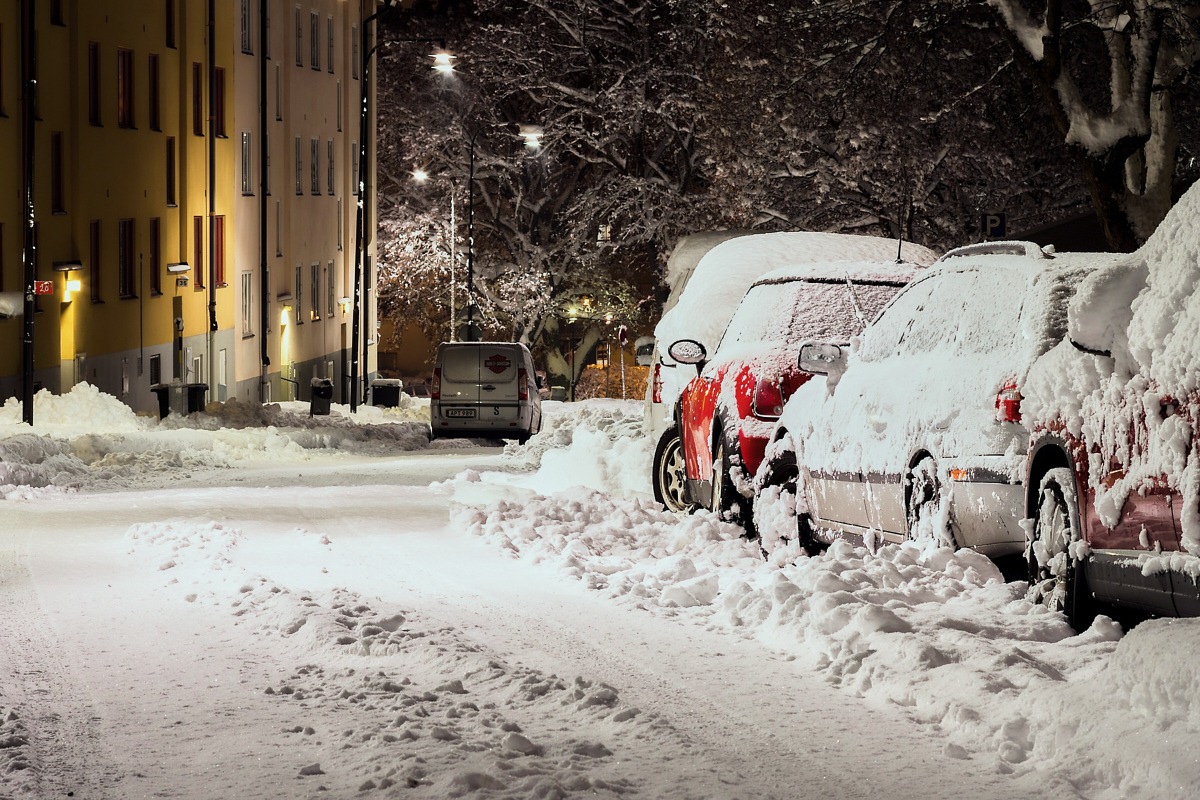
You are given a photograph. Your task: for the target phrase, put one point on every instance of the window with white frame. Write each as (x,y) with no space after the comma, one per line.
(329,40)
(299,294)
(247,165)
(354,52)
(299,37)
(330,286)
(314,37)
(247,43)
(299,166)
(315,167)
(247,304)
(329,166)
(316,292)
(354,168)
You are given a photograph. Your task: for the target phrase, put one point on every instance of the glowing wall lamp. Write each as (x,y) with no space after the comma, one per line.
(70,285)
(443,62)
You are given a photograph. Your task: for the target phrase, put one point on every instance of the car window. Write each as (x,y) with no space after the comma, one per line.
(883,338)
(794,311)
(991,303)
(460,364)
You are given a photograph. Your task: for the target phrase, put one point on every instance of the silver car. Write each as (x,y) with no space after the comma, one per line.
(916,431)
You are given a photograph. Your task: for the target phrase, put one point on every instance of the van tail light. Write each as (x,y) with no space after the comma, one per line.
(657,385)
(435,391)
(768,399)
(1008,403)
(522,384)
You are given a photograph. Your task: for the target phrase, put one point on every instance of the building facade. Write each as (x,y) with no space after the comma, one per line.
(194,185)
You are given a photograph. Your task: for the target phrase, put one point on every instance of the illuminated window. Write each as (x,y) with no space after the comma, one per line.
(125,88)
(126,286)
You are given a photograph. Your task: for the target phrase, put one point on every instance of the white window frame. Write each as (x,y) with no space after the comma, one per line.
(247,163)
(247,298)
(299,166)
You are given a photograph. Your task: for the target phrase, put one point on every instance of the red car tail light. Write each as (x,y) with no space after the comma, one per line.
(1008,403)
(522,384)
(768,399)
(435,391)
(657,385)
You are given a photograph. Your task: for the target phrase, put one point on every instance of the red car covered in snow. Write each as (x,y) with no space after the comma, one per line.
(726,413)
(1113,487)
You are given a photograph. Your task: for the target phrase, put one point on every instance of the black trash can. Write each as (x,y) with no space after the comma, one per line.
(321,396)
(163,392)
(195,397)
(385,392)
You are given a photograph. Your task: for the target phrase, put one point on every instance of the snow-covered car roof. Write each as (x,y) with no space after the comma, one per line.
(864,271)
(725,272)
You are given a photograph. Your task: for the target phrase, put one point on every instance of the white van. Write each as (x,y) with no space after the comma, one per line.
(484,389)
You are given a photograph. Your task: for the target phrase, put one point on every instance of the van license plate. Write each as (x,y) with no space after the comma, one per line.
(459,412)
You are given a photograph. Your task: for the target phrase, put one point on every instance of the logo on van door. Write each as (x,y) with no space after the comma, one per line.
(498,363)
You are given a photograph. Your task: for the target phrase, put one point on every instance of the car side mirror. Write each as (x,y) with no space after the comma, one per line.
(822,358)
(688,351)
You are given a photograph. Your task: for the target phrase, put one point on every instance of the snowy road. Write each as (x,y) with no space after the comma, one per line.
(143,679)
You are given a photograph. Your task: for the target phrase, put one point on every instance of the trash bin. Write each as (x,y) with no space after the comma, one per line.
(321,396)
(195,397)
(385,392)
(182,398)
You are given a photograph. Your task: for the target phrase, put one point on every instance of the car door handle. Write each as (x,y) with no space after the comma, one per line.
(488,388)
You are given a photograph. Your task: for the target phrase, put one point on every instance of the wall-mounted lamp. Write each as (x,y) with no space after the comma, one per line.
(70,285)
(177,267)
(71,288)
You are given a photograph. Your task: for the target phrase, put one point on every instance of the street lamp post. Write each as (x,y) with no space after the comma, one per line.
(441,63)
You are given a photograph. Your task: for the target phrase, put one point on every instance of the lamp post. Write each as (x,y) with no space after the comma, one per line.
(442,63)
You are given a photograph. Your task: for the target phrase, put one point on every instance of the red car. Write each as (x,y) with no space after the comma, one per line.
(726,413)
(1113,498)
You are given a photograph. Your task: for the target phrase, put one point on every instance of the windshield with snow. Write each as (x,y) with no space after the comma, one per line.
(793,311)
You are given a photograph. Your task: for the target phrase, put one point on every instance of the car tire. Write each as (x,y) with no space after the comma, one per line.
(923,500)
(782,472)
(1056,579)
(670,474)
(727,503)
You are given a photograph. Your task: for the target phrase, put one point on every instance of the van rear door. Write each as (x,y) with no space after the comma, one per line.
(460,375)
(498,365)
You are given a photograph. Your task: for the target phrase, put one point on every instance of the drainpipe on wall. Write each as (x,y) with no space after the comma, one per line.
(263,206)
(29,252)
(212,193)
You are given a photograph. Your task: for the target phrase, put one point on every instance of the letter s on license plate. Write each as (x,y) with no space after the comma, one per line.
(459,412)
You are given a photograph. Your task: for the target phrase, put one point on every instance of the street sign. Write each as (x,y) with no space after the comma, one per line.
(994,224)
(623,335)
(43,287)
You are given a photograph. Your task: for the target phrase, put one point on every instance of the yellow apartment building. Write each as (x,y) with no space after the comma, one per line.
(171,250)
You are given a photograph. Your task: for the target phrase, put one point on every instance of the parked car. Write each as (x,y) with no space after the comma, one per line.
(484,389)
(727,411)
(709,274)
(1114,459)
(916,432)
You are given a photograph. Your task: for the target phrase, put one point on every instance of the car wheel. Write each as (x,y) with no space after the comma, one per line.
(727,503)
(924,504)
(1056,578)
(670,476)
(777,520)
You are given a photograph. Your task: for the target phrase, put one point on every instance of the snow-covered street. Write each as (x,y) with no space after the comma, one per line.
(263,605)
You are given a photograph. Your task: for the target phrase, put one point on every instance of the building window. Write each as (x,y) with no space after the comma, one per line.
(247,45)
(278,95)
(247,304)
(219,249)
(247,163)
(152,80)
(2,114)
(299,167)
(340,105)
(171,171)
(94,258)
(1,256)
(354,168)
(316,292)
(278,230)
(267,28)
(56,13)
(197,98)
(299,295)
(341,223)
(315,166)
(354,52)
(267,165)
(155,256)
(329,41)
(330,286)
(329,166)
(314,39)
(125,248)
(219,101)
(57,200)
(94,83)
(155,370)
(299,37)
(170,22)
(198,251)
(125,88)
